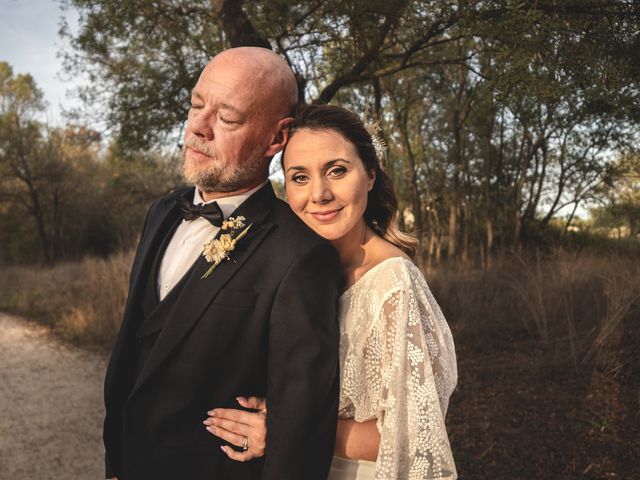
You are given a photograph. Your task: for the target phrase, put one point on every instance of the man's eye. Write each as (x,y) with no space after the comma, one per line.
(228,121)
(195,106)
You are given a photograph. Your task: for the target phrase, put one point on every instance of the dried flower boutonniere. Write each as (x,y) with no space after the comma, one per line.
(218,249)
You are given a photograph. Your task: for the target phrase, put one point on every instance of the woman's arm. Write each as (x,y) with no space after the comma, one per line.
(357,440)
(418,372)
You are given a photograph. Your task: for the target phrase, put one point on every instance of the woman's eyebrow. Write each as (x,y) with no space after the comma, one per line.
(328,164)
(331,163)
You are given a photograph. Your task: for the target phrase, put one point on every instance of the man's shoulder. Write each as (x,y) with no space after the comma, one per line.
(291,231)
(161,203)
(297,248)
(175,193)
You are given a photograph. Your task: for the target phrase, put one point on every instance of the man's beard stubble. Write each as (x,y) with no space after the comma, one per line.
(220,176)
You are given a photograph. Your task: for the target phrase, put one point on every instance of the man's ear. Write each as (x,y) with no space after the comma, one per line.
(280,138)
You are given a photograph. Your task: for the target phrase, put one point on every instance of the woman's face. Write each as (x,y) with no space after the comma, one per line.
(326,182)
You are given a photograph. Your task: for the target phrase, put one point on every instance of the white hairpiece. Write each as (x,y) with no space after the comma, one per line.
(379,143)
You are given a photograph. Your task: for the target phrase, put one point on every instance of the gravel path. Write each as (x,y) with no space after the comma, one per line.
(50,406)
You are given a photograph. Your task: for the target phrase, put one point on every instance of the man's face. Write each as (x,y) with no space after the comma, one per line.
(228,131)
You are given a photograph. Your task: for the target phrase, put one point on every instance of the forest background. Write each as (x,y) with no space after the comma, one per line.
(513,141)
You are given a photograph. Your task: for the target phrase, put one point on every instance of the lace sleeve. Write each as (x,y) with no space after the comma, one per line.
(418,376)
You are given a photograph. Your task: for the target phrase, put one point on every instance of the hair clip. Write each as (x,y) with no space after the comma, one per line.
(379,143)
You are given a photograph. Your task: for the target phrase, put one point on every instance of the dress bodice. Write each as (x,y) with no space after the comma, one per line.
(398,366)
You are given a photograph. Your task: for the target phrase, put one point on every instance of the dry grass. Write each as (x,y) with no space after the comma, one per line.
(82,301)
(548,353)
(549,361)
(571,304)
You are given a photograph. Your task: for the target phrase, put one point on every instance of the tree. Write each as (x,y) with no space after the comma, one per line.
(498,114)
(45,173)
(620,193)
(143,58)
(23,167)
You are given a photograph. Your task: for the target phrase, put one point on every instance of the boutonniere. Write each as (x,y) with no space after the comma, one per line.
(218,249)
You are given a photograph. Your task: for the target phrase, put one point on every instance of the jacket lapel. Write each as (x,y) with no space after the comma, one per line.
(158,229)
(198,292)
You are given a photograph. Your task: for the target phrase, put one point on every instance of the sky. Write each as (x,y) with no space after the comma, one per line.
(29,41)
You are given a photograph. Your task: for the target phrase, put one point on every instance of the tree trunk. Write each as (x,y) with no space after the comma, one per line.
(236,25)
(38,215)
(570,219)
(489,245)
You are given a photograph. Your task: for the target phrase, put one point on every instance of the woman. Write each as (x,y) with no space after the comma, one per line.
(397,356)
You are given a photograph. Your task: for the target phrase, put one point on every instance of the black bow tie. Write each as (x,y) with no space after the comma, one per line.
(210,211)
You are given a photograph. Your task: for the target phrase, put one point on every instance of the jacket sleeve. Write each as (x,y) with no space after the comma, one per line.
(303,369)
(108,463)
(108,471)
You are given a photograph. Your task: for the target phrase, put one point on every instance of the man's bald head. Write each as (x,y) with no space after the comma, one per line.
(241,110)
(264,71)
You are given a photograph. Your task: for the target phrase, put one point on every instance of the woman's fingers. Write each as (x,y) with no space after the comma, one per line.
(230,425)
(228,436)
(257,403)
(251,419)
(234,414)
(240,428)
(238,456)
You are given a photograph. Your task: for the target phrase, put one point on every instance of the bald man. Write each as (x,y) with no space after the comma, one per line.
(254,312)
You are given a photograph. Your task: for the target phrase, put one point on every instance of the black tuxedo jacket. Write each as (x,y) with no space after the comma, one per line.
(264,323)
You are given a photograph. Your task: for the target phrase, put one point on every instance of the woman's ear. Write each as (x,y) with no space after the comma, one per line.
(281,137)
(372,180)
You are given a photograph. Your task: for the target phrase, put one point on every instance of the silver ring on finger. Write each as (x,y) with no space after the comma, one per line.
(245,444)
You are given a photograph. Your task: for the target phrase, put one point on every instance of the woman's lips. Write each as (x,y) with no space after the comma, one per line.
(325,215)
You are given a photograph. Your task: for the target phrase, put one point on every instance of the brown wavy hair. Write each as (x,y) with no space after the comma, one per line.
(381,213)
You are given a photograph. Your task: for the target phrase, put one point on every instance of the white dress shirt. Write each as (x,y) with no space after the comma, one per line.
(189,239)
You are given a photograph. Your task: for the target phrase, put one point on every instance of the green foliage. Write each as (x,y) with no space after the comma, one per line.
(142,60)
(59,195)
(499,115)
(621,193)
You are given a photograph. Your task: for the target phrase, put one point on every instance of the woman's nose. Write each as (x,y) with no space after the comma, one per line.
(320,191)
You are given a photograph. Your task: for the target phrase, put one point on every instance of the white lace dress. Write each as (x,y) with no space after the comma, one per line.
(398,366)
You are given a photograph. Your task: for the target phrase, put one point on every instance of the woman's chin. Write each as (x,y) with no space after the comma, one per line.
(327,231)
(336,229)
(331,232)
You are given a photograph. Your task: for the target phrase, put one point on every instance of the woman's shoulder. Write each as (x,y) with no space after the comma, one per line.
(390,274)
(388,259)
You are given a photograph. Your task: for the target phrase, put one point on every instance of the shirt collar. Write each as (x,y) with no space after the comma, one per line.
(228,204)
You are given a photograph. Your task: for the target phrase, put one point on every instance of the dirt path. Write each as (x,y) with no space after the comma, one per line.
(50,406)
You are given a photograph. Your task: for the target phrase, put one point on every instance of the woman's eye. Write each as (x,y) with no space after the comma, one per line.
(299,178)
(337,172)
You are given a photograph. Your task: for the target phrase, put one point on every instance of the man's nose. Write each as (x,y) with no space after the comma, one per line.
(200,125)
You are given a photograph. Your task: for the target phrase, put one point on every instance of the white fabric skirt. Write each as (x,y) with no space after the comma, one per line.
(347,469)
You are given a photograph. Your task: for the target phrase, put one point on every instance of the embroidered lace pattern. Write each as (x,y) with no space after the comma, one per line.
(398,365)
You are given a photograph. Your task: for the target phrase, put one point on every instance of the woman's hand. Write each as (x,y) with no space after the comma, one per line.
(247,430)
